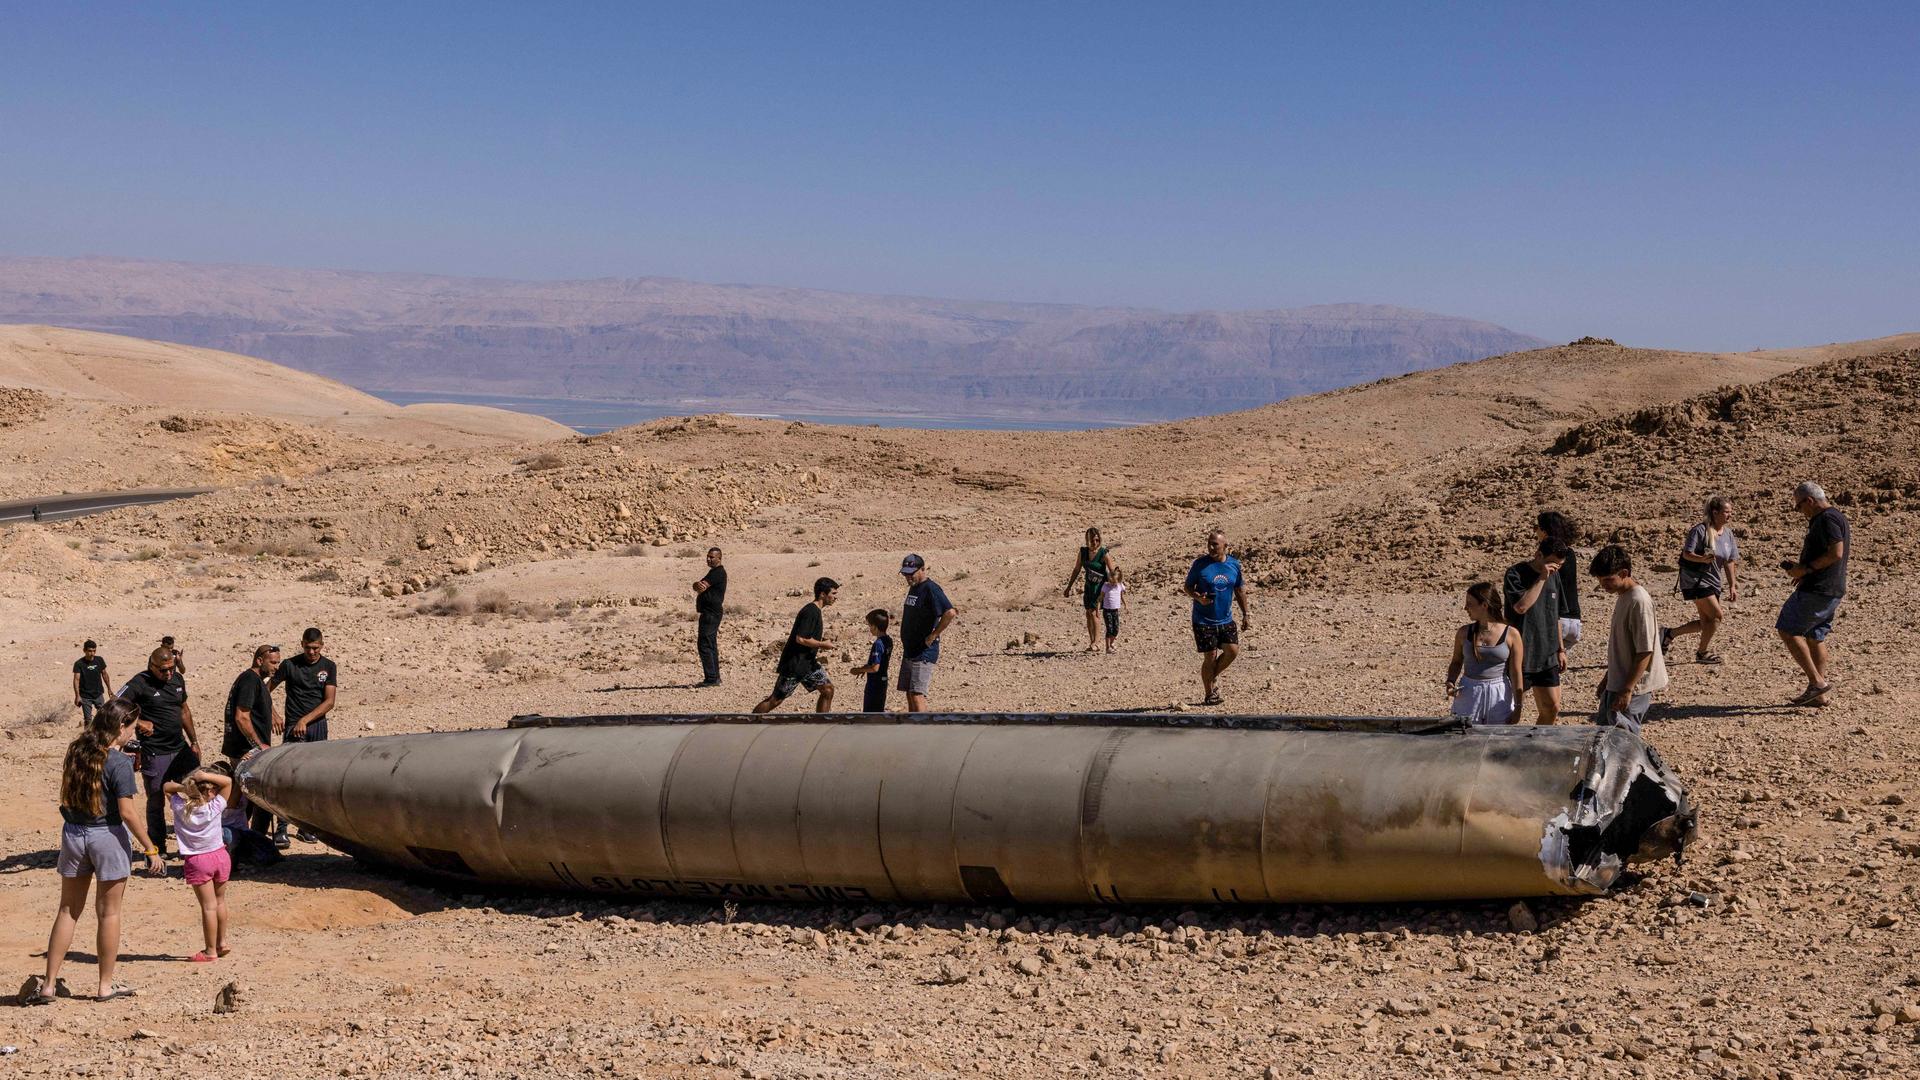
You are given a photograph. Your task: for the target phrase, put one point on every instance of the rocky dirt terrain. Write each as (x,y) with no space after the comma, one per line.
(1782,946)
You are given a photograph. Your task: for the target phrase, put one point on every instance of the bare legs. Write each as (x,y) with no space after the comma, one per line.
(73,904)
(1213,665)
(1811,655)
(1093,629)
(213,916)
(1547,700)
(1706,624)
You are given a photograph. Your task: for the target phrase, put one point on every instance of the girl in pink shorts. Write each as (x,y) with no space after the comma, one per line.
(198,802)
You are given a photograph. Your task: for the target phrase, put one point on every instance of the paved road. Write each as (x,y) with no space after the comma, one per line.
(61,507)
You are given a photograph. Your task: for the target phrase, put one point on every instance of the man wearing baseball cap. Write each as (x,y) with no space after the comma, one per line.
(926,615)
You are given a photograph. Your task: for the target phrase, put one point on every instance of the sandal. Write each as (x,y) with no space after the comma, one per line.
(200,957)
(1666,639)
(1706,658)
(1810,693)
(34,991)
(118,990)
(1212,699)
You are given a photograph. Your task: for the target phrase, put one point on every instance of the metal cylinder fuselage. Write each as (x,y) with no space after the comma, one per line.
(980,812)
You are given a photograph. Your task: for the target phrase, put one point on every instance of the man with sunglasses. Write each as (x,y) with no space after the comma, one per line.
(1820,581)
(169,746)
(313,684)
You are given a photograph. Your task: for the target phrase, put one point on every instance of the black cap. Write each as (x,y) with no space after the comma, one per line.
(912,564)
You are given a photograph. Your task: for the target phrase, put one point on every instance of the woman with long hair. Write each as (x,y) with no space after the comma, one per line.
(1708,571)
(1490,653)
(1095,560)
(97,807)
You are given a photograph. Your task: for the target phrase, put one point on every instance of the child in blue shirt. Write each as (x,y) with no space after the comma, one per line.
(875,669)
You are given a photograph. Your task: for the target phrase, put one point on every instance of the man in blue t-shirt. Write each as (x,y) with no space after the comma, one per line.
(924,616)
(1215,584)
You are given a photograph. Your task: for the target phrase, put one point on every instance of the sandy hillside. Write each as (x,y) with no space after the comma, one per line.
(1781,947)
(68,398)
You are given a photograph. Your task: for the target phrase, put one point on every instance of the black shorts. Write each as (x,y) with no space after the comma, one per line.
(1208,639)
(1701,593)
(1548,677)
(785,685)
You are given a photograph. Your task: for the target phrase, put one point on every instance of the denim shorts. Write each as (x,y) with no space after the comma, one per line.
(1808,615)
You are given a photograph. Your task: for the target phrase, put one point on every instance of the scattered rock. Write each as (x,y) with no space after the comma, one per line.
(1521,918)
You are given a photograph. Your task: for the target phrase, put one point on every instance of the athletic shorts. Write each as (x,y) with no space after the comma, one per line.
(916,676)
(96,851)
(215,866)
(1700,593)
(1484,701)
(1209,639)
(1808,615)
(785,685)
(1547,677)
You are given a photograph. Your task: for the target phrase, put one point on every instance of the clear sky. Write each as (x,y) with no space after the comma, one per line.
(1693,175)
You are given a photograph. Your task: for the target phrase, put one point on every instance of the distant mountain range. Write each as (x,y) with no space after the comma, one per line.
(745,347)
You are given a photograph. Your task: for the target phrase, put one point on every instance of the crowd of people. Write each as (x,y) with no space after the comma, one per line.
(1513,649)
(147,730)
(1517,640)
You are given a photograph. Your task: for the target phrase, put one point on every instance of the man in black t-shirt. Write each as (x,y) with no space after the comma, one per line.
(313,684)
(89,681)
(1820,582)
(169,746)
(799,659)
(249,724)
(709,600)
(1532,593)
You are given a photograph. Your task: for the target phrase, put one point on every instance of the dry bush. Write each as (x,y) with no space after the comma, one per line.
(689,553)
(449,602)
(145,554)
(495,602)
(497,660)
(545,461)
(48,711)
(324,573)
(634,551)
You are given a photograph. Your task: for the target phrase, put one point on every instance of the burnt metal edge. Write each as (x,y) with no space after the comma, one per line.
(1386,725)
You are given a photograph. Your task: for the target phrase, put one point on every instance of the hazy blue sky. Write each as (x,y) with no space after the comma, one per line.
(1691,175)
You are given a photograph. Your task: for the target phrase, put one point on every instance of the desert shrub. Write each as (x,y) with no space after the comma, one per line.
(961,575)
(495,602)
(689,553)
(544,461)
(324,573)
(47,711)
(634,551)
(497,660)
(145,554)
(449,602)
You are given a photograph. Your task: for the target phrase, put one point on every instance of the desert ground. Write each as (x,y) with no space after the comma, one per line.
(468,567)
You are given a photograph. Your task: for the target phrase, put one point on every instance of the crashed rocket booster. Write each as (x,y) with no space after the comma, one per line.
(994,808)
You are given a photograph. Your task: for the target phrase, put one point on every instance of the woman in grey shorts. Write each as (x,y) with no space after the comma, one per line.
(1490,654)
(97,805)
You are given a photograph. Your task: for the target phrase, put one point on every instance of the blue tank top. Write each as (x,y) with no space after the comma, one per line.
(1486,662)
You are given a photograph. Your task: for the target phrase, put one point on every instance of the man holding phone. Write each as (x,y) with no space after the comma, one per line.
(1820,581)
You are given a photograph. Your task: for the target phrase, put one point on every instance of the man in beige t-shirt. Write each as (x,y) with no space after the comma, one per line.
(1635,668)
